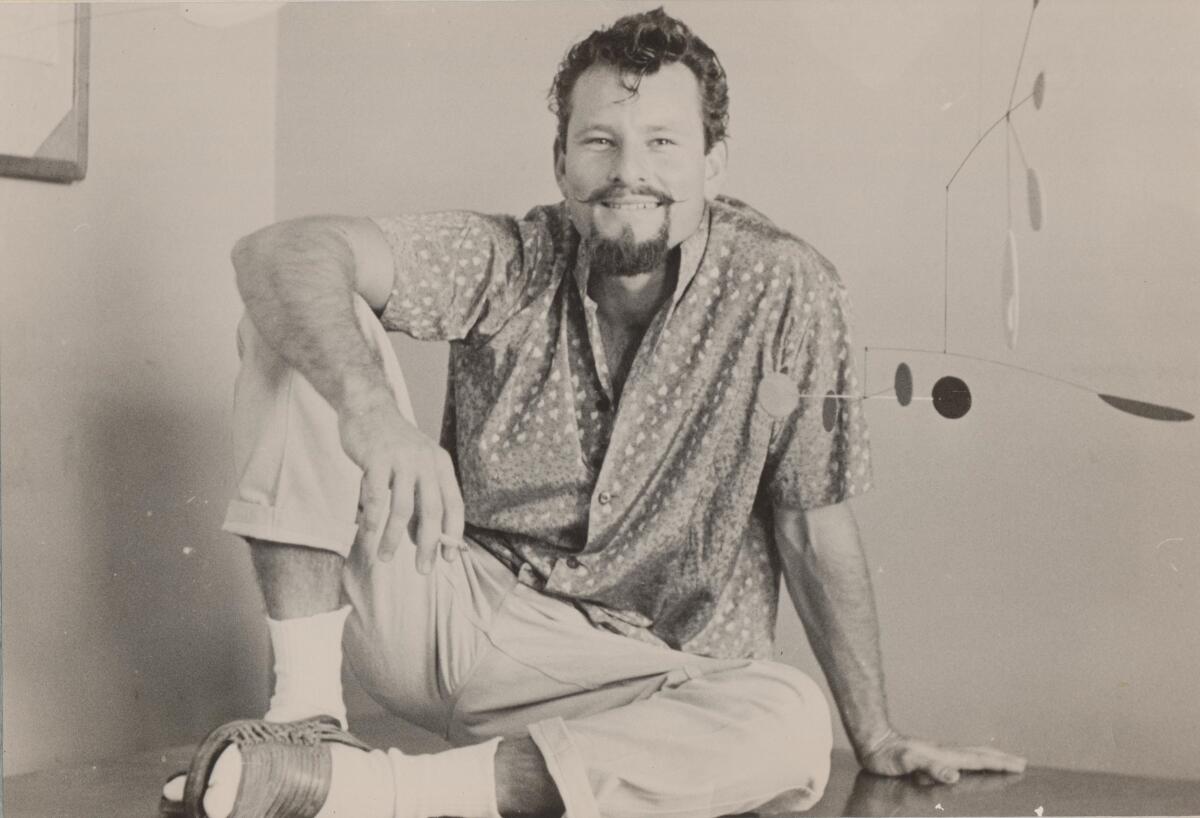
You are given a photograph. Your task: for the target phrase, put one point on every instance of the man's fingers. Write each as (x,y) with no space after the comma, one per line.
(984,758)
(1007,761)
(418,501)
(451,549)
(397,522)
(924,778)
(373,495)
(428,522)
(945,763)
(946,775)
(422,504)
(453,515)
(929,765)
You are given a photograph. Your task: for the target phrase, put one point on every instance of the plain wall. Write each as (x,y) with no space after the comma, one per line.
(130,621)
(1037,563)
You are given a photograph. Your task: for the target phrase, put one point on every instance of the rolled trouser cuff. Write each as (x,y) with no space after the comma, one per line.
(291,526)
(296,485)
(566,767)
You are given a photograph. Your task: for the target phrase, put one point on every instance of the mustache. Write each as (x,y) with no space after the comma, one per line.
(616,191)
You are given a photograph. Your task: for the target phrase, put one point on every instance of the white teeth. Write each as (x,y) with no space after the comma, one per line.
(631,205)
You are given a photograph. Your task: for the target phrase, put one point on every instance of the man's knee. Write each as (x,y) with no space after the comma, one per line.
(801,734)
(400,680)
(296,484)
(801,703)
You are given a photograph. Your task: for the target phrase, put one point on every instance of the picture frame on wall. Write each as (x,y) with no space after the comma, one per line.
(44,90)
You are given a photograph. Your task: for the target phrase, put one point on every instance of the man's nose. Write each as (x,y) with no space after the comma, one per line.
(629,166)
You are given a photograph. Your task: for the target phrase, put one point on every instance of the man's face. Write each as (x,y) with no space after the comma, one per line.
(633,170)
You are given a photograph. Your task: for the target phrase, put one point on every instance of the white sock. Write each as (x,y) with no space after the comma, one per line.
(308,666)
(361,785)
(460,782)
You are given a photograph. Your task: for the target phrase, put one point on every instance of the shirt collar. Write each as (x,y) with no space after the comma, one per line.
(691,251)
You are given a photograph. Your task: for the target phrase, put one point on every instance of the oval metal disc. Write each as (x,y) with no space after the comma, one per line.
(778,395)
(951,397)
(1033,190)
(829,412)
(1010,290)
(904,384)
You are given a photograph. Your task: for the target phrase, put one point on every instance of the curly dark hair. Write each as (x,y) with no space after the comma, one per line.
(637,45)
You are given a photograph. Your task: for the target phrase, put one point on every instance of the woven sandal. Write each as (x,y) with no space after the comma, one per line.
(286,768)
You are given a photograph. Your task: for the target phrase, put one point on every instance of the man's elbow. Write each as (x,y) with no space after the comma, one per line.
(247,258)
(305,247)
(241,252)
(791,530)
(805,531)
(837,517)
(335,250)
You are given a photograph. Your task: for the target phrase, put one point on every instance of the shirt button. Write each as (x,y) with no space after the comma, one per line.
(572,563)
(605,498)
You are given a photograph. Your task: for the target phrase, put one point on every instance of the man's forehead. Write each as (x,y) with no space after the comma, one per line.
(670,96)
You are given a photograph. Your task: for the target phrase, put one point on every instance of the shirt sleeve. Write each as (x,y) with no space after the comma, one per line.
(819,453)
(462,275)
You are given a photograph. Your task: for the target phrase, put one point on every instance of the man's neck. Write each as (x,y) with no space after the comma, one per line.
(631,301)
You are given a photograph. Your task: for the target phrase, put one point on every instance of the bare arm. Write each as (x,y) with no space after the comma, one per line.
(298,280)
(826,575)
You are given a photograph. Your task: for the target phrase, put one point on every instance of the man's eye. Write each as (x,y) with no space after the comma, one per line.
(662,141)
(601,141)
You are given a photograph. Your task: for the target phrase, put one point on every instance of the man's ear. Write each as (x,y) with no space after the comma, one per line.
(560,168)
(714,174)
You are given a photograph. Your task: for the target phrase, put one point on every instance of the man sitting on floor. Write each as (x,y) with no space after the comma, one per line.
(636,444)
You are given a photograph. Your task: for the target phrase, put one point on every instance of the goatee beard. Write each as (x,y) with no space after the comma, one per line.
(625,256)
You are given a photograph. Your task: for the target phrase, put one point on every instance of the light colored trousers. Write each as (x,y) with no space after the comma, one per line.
(626,728)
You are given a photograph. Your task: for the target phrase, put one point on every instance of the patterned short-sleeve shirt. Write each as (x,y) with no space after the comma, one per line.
(653,514)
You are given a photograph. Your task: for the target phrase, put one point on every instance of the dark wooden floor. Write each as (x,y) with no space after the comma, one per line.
(129,788)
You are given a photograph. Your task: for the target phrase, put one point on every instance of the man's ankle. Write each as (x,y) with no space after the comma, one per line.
(308,666)
(523,782)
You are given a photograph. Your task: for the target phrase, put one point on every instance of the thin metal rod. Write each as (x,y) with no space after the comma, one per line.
(1021,59)
(866,365)
(1008,173)
(1076,385)
(946,276)
(858,397)
(982,137)
(1020,148)
(946,217)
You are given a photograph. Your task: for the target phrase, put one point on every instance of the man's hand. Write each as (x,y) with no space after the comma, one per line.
(900,755)
(407,479)
(876,795)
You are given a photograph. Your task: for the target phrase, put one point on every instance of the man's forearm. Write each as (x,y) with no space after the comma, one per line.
(827,578)
(298,281)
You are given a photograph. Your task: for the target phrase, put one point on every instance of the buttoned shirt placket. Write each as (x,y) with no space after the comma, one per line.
(608,500)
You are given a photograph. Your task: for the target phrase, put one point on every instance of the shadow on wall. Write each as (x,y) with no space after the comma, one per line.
(172,591)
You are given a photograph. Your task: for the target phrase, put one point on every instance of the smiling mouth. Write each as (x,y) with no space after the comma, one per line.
(631,205)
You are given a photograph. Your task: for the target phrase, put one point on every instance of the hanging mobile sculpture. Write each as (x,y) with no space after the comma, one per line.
(950,396)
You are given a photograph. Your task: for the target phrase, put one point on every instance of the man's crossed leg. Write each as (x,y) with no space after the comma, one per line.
(548,712)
